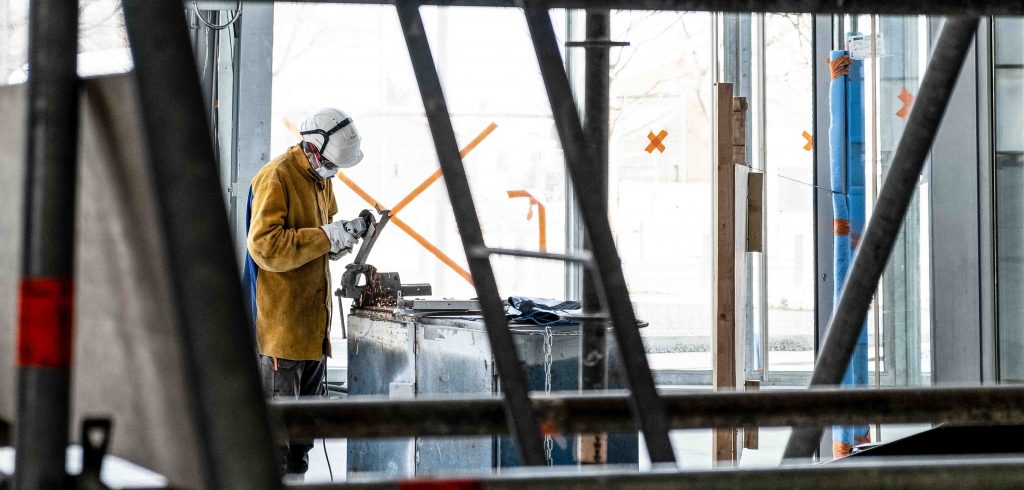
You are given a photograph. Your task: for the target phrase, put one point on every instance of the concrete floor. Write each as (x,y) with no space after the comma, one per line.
(692,447)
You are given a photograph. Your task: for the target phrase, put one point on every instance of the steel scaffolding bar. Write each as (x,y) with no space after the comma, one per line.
(883,227)
(881,7)
(610,412)
(231,417)
(48,246)
(517,410)
(1002,473)
(593,344)
(648,410)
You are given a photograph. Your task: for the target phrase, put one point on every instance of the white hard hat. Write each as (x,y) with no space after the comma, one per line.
(334,135)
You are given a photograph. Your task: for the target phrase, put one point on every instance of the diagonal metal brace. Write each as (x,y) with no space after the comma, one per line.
(647,407)
(518,410)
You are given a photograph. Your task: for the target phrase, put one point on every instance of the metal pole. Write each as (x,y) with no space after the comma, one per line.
(1002,473)
(893,199)
(231,419)
(45,321)
(593,344)
(593,448)
(648,410)
(610,411)
(518,412)
(886,7)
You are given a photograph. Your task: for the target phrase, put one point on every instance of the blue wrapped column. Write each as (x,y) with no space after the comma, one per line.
(846,160)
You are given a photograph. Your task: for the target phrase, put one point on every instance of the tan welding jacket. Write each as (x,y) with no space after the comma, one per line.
(293,302)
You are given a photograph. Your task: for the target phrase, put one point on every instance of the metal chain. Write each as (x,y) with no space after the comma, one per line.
(549,443)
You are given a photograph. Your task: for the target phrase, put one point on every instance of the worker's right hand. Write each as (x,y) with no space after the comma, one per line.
(340,238)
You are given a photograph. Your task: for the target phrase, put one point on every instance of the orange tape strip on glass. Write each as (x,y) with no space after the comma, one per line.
(437,174)
(541,213)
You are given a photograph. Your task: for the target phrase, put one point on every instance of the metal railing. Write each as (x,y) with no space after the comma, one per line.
(610,412)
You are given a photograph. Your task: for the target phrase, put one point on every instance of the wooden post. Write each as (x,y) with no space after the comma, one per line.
(750,434)
(730,245)
(755,212)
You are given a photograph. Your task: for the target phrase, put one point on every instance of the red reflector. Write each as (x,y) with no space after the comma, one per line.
(440,485)
(44,323)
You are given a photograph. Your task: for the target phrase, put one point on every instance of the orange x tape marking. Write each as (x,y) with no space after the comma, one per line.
(656,141)
(908,100)
(402,225)
(810,141)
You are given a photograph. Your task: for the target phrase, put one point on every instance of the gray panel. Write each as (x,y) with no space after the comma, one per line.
(452,360)
(380,353)
(252,104)
(12,134)
(956,314)
(824,284)
(127,358)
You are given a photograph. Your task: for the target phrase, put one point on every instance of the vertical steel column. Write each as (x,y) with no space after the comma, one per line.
(647,407)
(893,199)
(47,285)
(593,332)
(518,410)
(231,418)
(593,344)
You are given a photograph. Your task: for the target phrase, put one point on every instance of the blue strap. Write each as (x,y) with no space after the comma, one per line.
(251,271)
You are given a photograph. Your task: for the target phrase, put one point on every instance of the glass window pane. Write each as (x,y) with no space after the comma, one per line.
(1009,175)
(102,41)
(789,207)
(1009,40)
(660,201)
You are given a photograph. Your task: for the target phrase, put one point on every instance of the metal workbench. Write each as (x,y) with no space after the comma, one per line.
(402,354)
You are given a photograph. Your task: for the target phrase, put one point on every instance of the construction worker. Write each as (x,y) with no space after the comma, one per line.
(291,236)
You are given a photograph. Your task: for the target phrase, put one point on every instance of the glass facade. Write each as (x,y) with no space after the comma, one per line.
(1008,105)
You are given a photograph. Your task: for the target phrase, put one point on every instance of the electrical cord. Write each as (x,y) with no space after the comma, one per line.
(217,27)
(323,440)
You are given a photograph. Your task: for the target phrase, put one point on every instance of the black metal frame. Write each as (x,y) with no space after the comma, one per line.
(597,79)
(232,422)
(51,180)
(1001,473)
(610,412)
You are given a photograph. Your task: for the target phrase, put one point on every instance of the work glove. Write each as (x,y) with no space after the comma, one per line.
(341,240)
(361,226)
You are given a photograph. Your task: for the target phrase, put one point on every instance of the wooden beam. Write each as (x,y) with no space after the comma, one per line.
(724,331)
(755,212)
(750,434)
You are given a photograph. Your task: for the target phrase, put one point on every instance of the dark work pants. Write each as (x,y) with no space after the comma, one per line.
(284,379)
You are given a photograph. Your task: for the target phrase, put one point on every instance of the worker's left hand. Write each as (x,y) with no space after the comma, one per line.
(361,226)
(338,255)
